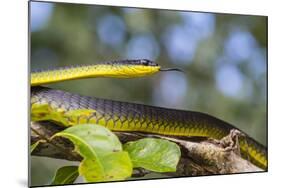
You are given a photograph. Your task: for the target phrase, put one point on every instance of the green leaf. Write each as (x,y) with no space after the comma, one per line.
(104,159)
(157,155)
(33,146)
(45,111)
(116,166)
(92,136)
(65,175)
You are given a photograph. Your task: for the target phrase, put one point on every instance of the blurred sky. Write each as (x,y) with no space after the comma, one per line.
(224,57)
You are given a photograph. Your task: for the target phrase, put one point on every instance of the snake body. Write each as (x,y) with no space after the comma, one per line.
(124,116)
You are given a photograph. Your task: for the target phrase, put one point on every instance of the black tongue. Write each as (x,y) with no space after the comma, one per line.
(172,69)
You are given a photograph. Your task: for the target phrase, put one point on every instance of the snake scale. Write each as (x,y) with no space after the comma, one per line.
(124,116)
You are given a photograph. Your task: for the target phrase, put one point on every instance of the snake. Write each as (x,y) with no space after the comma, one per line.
(69,109)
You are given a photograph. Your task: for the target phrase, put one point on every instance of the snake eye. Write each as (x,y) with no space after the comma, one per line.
(147,62)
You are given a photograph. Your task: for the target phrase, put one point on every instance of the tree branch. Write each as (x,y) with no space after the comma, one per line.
(199,156)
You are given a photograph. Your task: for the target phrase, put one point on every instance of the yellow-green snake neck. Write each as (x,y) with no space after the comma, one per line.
(69,109)
(115,69)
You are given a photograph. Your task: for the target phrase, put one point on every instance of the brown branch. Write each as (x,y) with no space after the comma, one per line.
(58,147)
(199,156)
